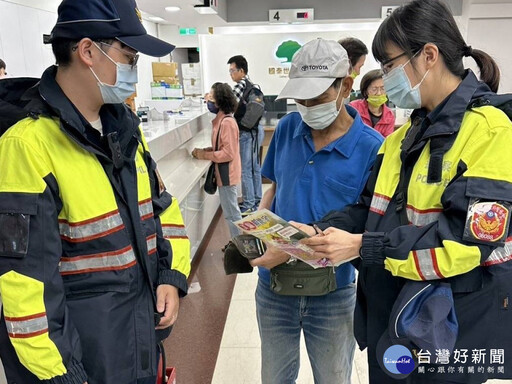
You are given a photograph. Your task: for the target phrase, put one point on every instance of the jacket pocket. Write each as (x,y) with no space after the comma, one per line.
(93,284)
(15,212)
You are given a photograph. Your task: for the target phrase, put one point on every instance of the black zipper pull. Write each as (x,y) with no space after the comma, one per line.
(115,149)
(399,201)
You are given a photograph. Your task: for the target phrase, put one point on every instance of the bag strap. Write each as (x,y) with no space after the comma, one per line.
(401,190)
(248,88)
(218,133)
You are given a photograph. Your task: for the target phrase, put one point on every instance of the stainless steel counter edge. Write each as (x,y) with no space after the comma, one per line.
(168,138)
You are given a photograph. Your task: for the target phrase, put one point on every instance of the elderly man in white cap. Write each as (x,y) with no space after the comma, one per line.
(319,160)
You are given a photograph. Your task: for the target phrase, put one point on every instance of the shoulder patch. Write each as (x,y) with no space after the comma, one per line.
(487,222)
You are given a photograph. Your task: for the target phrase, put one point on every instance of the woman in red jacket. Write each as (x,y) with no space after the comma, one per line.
(373,108)
(225,151)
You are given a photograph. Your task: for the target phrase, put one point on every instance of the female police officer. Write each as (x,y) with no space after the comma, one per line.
(436,207)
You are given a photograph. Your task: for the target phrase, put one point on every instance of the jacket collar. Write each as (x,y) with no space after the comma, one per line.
(447,117)
(11,103)
(115,117)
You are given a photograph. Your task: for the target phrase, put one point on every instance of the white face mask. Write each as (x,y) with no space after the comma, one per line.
(126,79)
(322,115)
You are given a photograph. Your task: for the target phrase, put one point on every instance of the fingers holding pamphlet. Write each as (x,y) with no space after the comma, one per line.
(279,233)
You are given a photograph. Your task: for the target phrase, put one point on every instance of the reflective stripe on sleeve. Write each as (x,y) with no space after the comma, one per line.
(379,204)
(107,261)
(146,209)
(151,243)
(27,326)
(174,231)
(421,217)
(426,264)
(501,254)
(91,229)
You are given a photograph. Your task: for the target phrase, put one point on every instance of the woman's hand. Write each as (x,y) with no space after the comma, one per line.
(271,258)
(304,228)
(336,245)
(198,153)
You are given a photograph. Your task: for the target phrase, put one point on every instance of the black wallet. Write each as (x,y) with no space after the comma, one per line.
(239,251)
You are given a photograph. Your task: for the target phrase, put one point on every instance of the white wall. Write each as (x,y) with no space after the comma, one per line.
(259,50)
(21,39)
(145,72)
(489,26)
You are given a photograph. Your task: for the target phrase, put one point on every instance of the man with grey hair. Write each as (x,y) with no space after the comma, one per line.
(319,160)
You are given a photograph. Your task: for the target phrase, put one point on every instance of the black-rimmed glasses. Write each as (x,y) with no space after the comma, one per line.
(133,58)
(384,66)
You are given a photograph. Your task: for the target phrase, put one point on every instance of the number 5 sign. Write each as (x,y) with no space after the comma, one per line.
(386,11)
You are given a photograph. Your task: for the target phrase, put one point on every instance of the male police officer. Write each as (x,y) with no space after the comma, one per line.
(86,266)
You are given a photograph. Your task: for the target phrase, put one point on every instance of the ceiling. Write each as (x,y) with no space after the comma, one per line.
(187,17)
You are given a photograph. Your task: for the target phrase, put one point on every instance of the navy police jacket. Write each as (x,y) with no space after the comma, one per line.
(456,195)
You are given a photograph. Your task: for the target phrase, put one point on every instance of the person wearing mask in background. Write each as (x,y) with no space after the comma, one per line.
(319,159)
(357,52)
(225,151)
(93,251)
(250,141)
(3,72)
(436,208)
(372,107)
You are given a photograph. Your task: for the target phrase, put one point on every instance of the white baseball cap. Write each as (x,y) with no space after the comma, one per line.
(314,68)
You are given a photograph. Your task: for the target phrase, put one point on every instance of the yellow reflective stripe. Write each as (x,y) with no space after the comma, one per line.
(421,217)
(17,154)
(450,260)
(481,127)
(28,326)
(379,204)
(455,258)
(90,229)
(181,255)
(146,209)
(151,244)
(23,301)
(99,262)
(174,231)
(500,255)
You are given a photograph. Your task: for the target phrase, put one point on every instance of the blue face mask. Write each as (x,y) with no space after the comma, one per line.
(212,107)
(126,78)
(399,90)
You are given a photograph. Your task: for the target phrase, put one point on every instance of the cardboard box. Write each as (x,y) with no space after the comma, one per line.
(165,69)
(158,91)
(174,91)
(166,79)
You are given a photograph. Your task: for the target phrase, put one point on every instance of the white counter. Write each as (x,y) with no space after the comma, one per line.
(171,143)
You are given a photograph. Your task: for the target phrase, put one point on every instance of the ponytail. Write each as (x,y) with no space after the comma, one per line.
(489,70)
